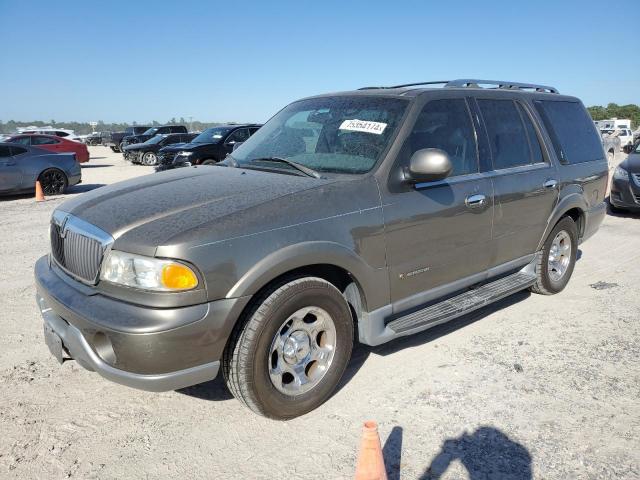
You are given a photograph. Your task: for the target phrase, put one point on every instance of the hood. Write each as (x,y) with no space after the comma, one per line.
(134,146)
(632,163)
(146,212)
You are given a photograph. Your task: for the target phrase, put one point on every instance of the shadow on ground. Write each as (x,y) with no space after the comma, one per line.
(486,454)
(84,187)
(97,166)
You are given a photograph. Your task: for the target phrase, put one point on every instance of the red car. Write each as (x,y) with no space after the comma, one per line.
(53,144)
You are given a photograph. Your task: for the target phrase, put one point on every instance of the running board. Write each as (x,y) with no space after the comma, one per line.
(461,304)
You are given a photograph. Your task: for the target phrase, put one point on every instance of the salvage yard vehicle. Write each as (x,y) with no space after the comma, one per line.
(116,137)
(150,133)
(21,166)
(146,152)
(208,148)
(358,216)
(625,184)
(54,144)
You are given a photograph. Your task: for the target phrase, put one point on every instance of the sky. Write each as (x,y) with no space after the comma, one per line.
(125,61)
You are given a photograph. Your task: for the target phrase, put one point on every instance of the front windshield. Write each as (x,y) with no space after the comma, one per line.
(150,131)
(211,135)
(156,139)
(332,134)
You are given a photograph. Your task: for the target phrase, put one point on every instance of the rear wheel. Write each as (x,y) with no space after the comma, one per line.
(53,181)
(288,358)
(149,159)
(558,258)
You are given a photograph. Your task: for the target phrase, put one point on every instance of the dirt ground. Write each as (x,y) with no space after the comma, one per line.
(533,387)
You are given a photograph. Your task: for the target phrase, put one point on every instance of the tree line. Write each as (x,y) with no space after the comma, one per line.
(612,110)
(597,112)
(82,128)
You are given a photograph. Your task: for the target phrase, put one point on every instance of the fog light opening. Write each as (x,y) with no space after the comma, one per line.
(104,349)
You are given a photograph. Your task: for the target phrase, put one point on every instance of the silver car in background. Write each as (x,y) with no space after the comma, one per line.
(21,166)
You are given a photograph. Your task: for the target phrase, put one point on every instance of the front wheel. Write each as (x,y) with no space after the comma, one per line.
(558,258)
(150,159)
(288,358)
(53,181)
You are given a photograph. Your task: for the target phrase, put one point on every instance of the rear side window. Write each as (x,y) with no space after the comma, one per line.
(506,132)
(43,141)
(572,131)
(18,150)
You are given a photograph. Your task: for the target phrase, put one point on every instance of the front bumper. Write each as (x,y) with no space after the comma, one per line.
(147,348)
(625,194)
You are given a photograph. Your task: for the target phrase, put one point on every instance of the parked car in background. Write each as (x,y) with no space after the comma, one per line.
(53,144)
(625,183)
(22,165)
(356,216)
(611,144)
(208,148)
(150,133)
(115,138)
(95,138)
(58,132)
(146,153)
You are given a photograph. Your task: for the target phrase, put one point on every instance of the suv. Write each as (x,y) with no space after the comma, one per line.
(208,148)
(365,215)
(116,137)
(150,133)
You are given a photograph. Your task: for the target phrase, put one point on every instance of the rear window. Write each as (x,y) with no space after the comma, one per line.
(572,131)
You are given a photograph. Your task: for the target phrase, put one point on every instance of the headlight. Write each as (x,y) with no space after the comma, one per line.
(620,174)
(185,154)
(147,273)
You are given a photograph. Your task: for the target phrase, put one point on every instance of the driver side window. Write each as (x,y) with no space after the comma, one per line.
(239,135)
(446,124)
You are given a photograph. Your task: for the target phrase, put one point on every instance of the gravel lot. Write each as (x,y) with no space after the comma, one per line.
(534,387)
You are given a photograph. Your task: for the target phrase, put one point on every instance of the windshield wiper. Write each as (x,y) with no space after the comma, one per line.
(301,168)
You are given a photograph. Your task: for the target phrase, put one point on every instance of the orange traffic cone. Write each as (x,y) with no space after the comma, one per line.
(370,462)
(39,193)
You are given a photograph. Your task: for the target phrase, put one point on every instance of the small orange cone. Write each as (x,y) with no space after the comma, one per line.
(39,193)
(370,462)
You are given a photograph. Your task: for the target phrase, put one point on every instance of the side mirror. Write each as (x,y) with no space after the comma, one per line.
(236,145)
(428,165)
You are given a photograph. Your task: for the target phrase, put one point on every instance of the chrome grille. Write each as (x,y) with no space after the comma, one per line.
(77,246)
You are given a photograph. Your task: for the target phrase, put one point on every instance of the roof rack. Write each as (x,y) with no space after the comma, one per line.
(474,83)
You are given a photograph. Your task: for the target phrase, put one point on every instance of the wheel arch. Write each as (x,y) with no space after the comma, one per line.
(574,206)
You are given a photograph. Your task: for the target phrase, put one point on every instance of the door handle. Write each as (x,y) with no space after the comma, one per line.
(551,183)
(475,201)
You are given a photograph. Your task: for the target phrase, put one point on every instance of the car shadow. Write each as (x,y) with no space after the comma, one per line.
(620,213)
(96,166)
(84,187)
(213,390)
(97,158)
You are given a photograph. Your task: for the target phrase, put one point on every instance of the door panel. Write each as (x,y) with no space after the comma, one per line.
(10,174)
(434,238)
(435,232)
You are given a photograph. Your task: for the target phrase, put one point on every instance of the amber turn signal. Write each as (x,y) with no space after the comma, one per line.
(178,277)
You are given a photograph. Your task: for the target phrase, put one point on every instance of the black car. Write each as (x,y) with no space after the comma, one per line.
(146,153)
(115,139)
(625,184)
(210,147)
(150,133)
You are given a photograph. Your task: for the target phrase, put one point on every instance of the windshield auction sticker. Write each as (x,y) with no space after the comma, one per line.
(356,125)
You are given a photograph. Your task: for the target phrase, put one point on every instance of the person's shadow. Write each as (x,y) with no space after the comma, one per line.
(487,454)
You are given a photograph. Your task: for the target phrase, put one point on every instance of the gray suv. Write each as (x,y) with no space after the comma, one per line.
(358,216)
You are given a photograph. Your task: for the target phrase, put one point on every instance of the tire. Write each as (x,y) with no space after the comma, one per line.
(554,276)
(114,149)
(53,181)
(611,155)
(149,159)
(256,367)
(208,162)
(121,147)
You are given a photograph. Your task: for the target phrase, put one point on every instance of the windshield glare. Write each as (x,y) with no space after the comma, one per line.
(150,131)
(211,135)
(333,134)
